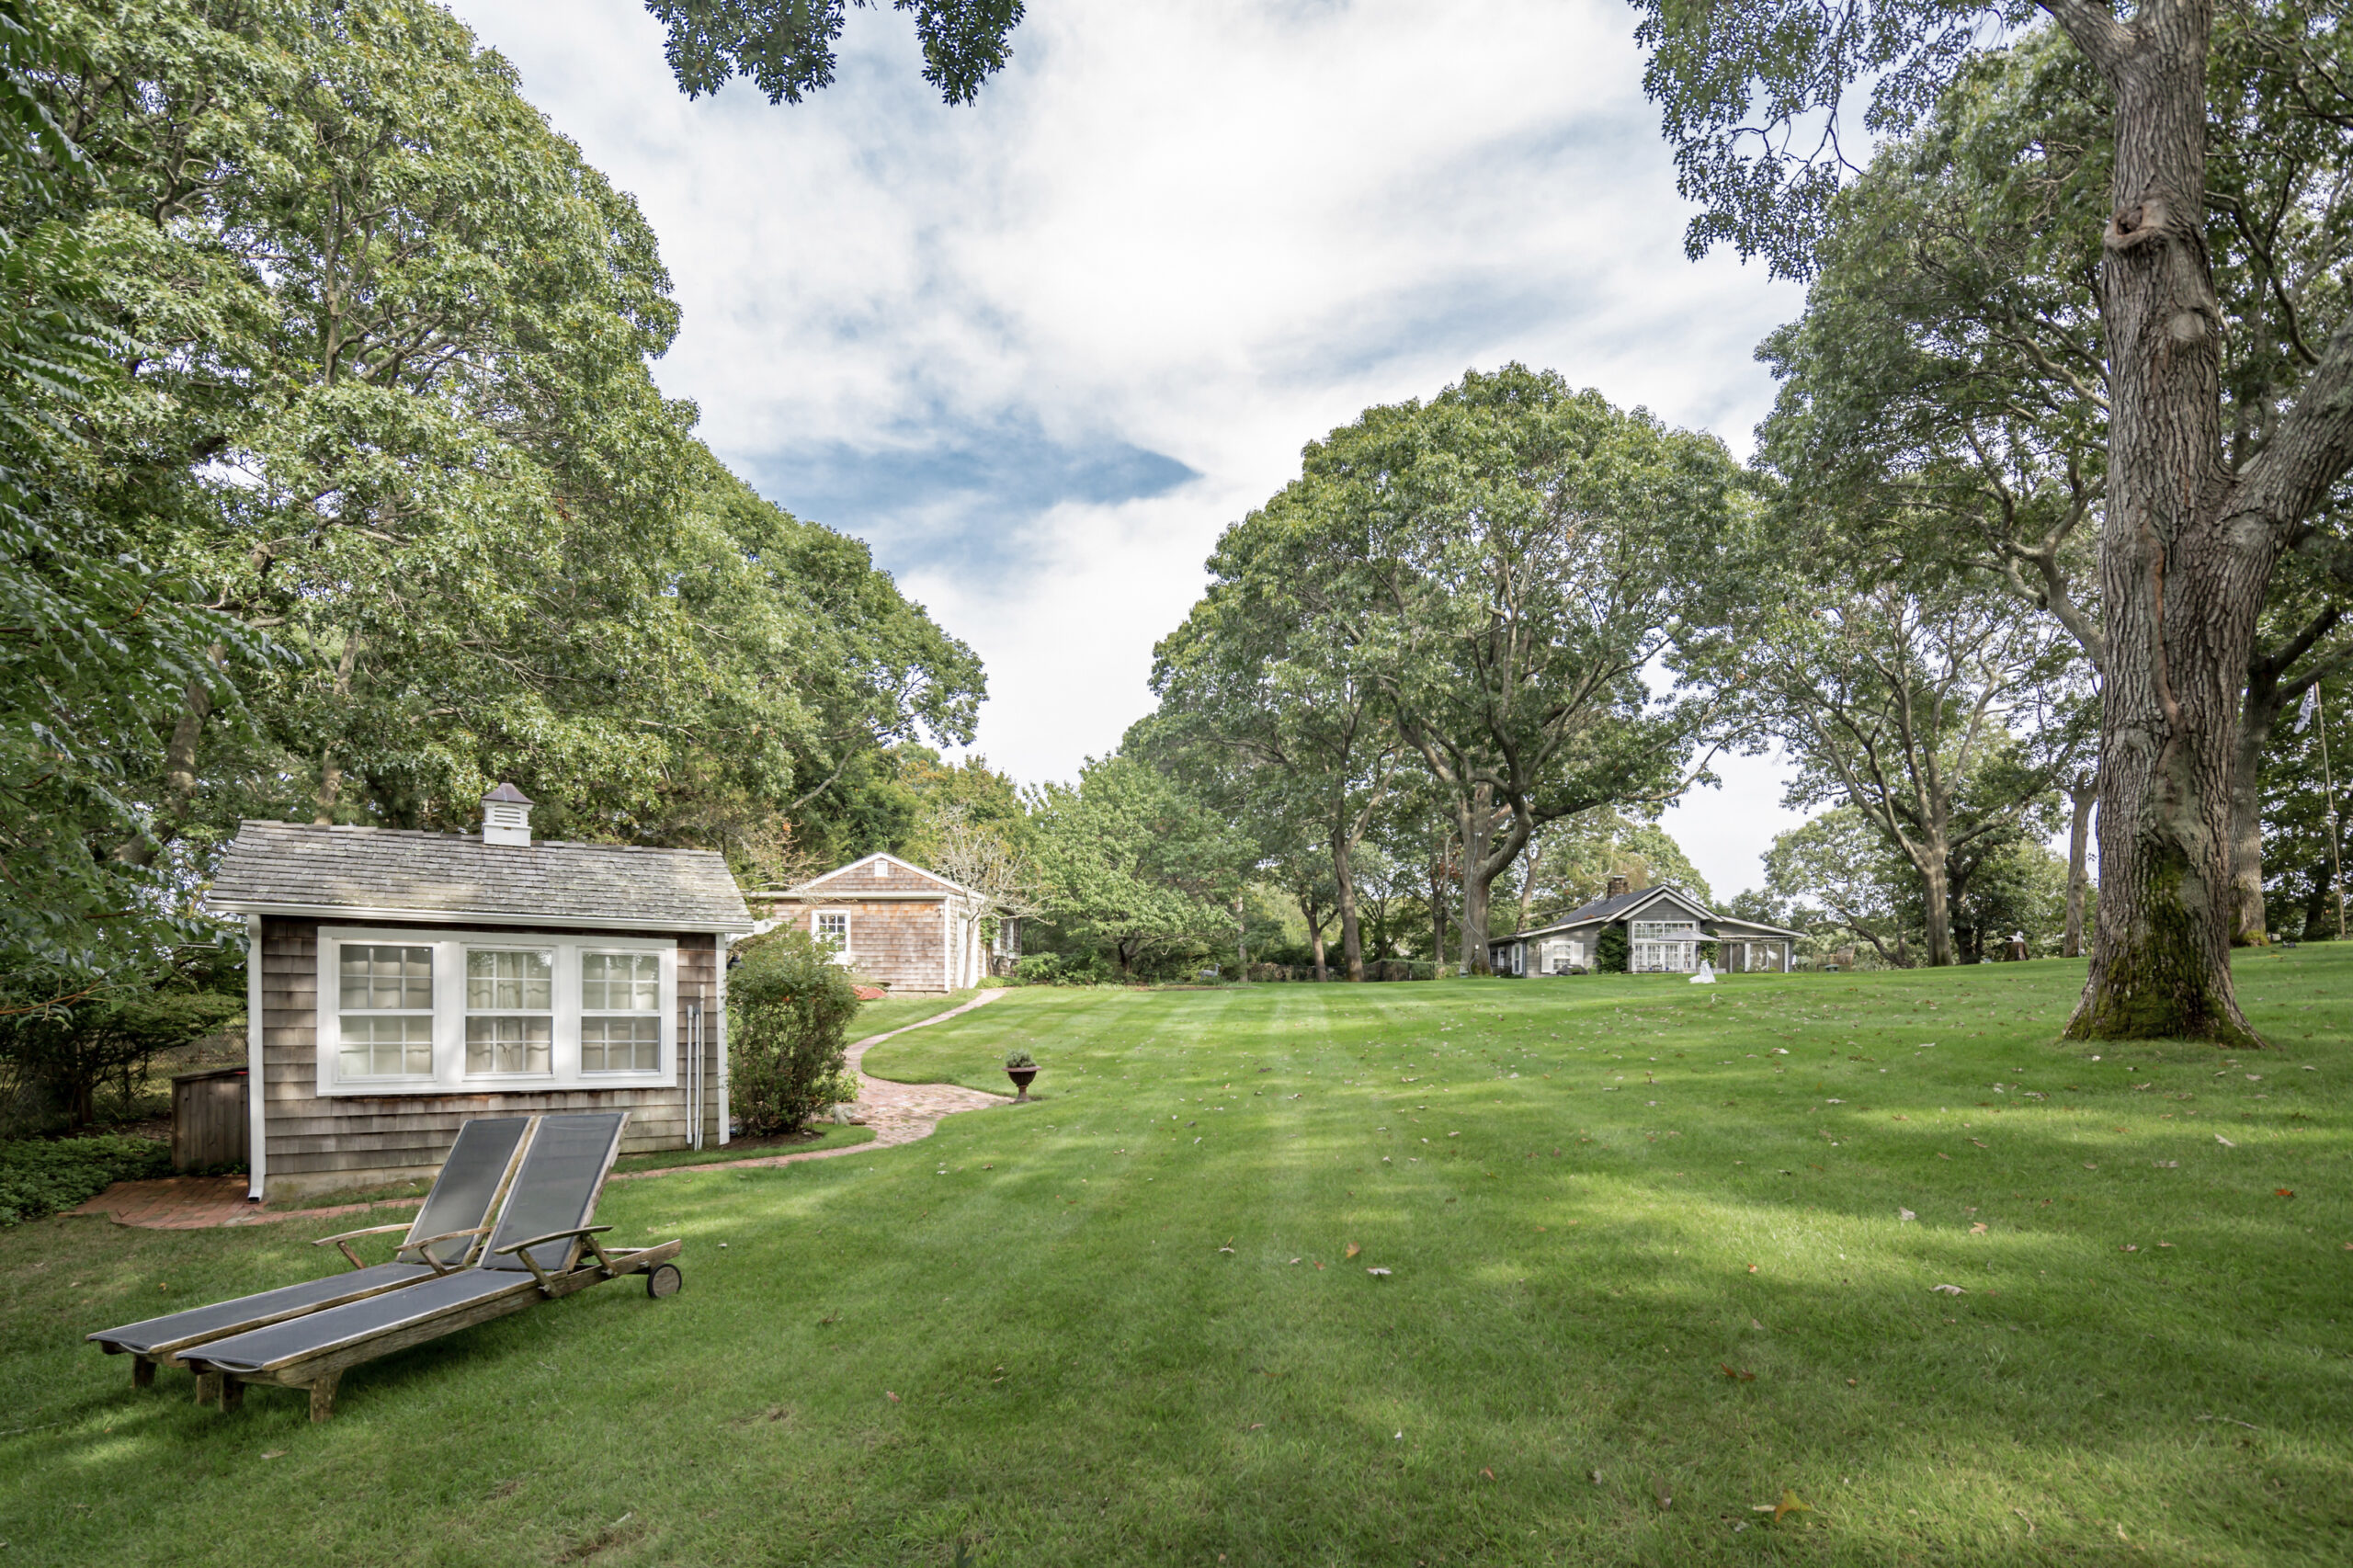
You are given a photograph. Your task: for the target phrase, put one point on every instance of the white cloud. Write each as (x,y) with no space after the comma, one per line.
(1040,350)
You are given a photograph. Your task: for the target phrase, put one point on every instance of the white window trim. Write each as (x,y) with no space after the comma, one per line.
(841,954)
(448,1076)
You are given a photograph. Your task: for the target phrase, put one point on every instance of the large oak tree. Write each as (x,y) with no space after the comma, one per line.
(2192,530)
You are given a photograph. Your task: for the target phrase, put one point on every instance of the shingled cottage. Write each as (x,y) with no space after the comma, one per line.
(399,982)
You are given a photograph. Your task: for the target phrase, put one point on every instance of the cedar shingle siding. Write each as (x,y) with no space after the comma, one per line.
(909,930)
(317,1142)
(290,879)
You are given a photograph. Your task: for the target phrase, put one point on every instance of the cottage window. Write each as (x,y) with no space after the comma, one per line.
(832,931)
(532,1012)
(386,1007)
(510,1011)
(621,1024)
(1663,930)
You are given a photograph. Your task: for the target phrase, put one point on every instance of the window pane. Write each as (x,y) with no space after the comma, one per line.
(386,977)
(507,1045)
(621,1045)
(383,1048)
(518,982)
(620,982)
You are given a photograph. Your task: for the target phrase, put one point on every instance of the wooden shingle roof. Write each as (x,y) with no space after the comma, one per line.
(358,873)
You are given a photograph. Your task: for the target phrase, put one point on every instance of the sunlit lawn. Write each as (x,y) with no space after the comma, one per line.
(1646,1272)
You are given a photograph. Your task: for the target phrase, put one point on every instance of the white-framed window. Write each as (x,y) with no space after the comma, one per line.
(831,927)
(620,1012)
(1663,930)
(408,1011)
(510,1011)
(384,1010)
(1665,957)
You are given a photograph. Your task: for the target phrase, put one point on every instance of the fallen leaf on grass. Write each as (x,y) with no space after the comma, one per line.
(1736,1374)
(275,1454)
(1488,1473)
(2090,1166)
(2281,1192)
(1752,1269)
(1353,1250)
(1781,1510)
(889,1395)
(1944,1157)
(1377,1273)
(1904,1214)
(1950,1290)
(1981,1146)
(1978,1229)
(2128,1247)
(2224,1142)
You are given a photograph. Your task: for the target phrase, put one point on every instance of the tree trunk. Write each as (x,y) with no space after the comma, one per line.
(1351,930)
(1241,938)
(180,773)
(2084,793)
(1314,935)
(2259,710)
(1437,904)
(2184,561)
(1936,888)
(1527,881)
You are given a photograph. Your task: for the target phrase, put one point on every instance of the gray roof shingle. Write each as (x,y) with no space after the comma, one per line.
(277,867)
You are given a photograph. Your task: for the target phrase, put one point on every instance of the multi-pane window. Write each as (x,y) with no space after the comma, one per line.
(385,1010)
(1659,929)
(510,1016)
(620,1002)
(832,931)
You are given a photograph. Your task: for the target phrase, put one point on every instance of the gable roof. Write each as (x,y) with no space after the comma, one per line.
(356,873)
(1626,906)
(874,876)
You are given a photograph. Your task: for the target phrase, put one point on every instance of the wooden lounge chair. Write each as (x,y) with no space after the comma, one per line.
(534,1256)
(446,1234)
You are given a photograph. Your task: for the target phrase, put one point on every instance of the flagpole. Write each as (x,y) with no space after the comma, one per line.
(2335,826)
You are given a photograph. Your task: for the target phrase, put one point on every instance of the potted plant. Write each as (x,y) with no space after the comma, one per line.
(1020,1066)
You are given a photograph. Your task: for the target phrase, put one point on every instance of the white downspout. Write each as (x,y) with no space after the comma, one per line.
(719,1035)
(256,1085)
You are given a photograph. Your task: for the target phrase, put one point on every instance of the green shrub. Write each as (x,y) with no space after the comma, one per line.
(789,1008)
(1019,1057)
(39,1176)
(1060,969)
(1611,950)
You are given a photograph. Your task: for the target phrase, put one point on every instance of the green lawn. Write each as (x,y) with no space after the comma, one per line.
(1124,1325)
(898,1012)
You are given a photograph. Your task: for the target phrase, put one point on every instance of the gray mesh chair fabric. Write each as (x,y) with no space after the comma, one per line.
(556,1189)
(460,1200)
(469,1183)
(180,1328)
(358,1320)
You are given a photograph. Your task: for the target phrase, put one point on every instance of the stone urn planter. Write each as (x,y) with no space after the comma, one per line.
(1020,1066)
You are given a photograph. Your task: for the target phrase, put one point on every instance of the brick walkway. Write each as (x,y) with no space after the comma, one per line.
(898,1113)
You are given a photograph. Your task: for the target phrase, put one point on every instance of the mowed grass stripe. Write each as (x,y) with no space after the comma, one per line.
(1084,1377)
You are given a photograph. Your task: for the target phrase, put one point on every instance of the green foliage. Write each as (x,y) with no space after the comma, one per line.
(97,634)
(72,1051)
(1063,969)
(1131,865)
(1019,1057)
(786,48)
(1611,950)
(40,1176)
(789,1008)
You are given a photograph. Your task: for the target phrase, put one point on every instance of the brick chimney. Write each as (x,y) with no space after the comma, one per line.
(507,816)
(1618,887)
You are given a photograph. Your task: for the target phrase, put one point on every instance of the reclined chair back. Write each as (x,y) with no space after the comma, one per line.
(466,1193)
(556,1189)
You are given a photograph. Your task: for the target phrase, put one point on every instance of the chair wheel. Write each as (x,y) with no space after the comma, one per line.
(664,1280)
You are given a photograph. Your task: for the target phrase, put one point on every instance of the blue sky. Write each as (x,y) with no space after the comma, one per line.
(1039,351)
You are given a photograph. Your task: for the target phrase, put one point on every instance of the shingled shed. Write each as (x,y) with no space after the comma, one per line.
(894,924)
(403,981)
